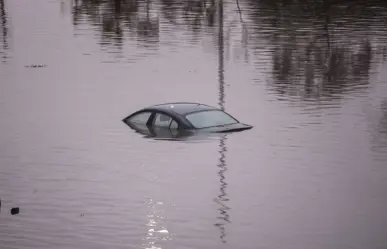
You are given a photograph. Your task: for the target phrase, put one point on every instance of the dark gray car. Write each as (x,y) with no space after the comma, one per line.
(182,119)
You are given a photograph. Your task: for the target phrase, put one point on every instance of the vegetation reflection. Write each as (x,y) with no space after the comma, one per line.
(3,30)
(317,49)
(320,49)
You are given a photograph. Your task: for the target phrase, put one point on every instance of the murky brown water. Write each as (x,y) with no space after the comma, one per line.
(311,174)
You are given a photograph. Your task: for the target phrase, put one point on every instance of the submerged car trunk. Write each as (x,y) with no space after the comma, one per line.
(229,128)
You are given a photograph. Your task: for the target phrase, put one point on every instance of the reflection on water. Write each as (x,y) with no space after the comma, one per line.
(222,199)
(166,134)
(3,31)
(141,20)
(221,57)
(156,230)
(319,51)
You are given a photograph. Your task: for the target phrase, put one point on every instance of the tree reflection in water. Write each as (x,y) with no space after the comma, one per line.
(148,28)
(3,31)
(120,18)
(117,17)
(319,50)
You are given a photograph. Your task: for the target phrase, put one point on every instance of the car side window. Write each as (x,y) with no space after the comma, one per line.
(140,118)
(162,120)
(174,125)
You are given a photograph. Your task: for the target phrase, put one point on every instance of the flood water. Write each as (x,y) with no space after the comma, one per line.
(312,81)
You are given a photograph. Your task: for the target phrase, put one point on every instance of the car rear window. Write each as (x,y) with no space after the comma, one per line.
(204,119)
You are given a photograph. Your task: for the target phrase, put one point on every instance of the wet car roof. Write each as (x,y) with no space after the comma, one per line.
(182,108)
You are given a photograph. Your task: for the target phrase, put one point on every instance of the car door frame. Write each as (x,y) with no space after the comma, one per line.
(151,120)
(127,119)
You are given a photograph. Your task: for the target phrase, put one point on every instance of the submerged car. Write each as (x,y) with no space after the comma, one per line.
(182,119)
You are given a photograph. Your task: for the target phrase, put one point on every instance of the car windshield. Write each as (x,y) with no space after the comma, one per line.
(206,119)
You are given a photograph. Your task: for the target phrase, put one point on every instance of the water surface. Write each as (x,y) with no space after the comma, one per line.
(310,174)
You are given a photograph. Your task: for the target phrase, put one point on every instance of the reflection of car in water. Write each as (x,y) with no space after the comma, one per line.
(182,119)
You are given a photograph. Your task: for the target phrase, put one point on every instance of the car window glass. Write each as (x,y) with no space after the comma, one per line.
(162,120)
(141,128)
(205,119)
(140,118)
(174,125)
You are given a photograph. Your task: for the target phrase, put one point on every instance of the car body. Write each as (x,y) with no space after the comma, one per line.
(182,119)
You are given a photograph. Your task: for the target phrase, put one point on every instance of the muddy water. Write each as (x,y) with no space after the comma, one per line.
(310,174)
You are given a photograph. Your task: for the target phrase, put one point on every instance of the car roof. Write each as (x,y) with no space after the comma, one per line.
(182,108)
